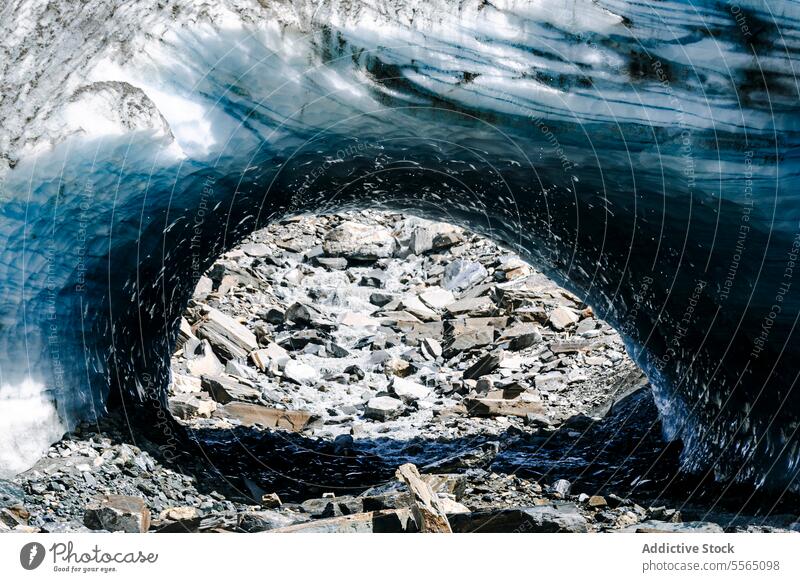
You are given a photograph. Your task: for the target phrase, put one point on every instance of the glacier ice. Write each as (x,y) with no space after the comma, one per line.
(643,155)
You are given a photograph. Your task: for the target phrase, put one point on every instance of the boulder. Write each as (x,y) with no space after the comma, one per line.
(562,317)
(429,513)
(202,361)
(409,391)
(188,406)
(271,358)
(436,297)
(563,518)
(300,373)
(229,338)
(472,307)
(357,241)
(486,364)
(224,389)
(502,407)
(253,414)
(383,408)
(118,513)
(462,274)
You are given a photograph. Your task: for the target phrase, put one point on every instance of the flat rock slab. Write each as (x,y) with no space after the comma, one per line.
(383,408)
(387,521)
(539,519)
(502,407)
(252,414)
(225,389)
(229,338)
(665,527)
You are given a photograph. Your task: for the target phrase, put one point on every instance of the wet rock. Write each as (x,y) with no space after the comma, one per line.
(265,520)
(561,487)
(477,457)
(118,513)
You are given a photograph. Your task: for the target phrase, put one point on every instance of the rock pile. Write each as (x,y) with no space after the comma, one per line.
(378,324)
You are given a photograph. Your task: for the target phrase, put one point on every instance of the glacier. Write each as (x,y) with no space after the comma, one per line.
(643,155)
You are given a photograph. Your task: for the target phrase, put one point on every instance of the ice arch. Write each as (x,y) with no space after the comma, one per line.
(646,157)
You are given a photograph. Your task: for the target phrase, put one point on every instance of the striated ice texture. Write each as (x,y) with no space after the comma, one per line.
(645,155)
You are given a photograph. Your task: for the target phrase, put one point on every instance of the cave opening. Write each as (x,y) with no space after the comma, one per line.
(324,351)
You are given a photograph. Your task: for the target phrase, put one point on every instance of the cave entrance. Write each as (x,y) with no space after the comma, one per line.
(359,341)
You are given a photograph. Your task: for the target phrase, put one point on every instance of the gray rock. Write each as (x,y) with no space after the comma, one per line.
(224,389)
(189,406)
(358,241)
(561,487)
(472,307)
(562,317)
(300,373)
(118,513)
(202,360)
(256,521)
(229,338)
(409,391)
(383,408)
(462,274)
(563,518)
(486,364)
(480,456)
(665,527)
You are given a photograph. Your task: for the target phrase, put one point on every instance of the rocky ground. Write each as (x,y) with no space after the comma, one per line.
(374,372)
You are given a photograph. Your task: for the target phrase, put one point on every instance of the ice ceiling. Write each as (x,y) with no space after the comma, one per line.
(644,155)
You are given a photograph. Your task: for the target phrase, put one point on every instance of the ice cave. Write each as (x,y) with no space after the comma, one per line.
(644,156)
